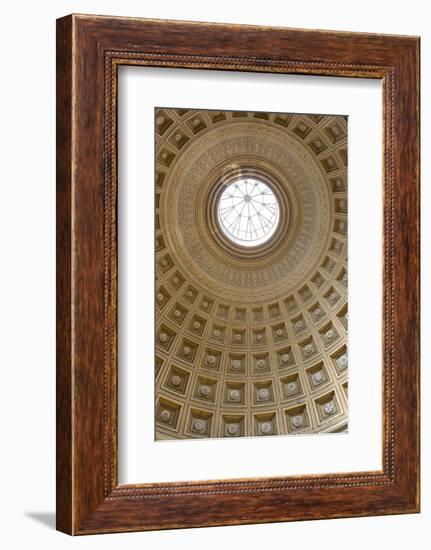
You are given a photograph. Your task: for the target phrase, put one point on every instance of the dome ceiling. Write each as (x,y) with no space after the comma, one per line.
(251,336)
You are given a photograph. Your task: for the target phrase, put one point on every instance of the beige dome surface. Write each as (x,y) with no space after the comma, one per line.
(250,340)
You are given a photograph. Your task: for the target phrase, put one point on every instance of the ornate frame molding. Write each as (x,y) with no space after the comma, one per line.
(89,51)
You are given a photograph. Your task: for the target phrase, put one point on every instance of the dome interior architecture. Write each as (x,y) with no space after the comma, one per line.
(251,274)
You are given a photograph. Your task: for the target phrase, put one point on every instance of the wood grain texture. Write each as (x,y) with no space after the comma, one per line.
(90,49)
(64,496)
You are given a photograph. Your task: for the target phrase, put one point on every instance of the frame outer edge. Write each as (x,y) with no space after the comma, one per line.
(407,273)
(64,366)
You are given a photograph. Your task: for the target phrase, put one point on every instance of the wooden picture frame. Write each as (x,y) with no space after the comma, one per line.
(89,51)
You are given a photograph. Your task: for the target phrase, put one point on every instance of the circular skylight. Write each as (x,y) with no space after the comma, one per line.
(248,212)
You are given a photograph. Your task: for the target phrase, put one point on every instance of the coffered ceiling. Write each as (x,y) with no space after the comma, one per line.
(250,340)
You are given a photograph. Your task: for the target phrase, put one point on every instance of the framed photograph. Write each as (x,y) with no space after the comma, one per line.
(237,274)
